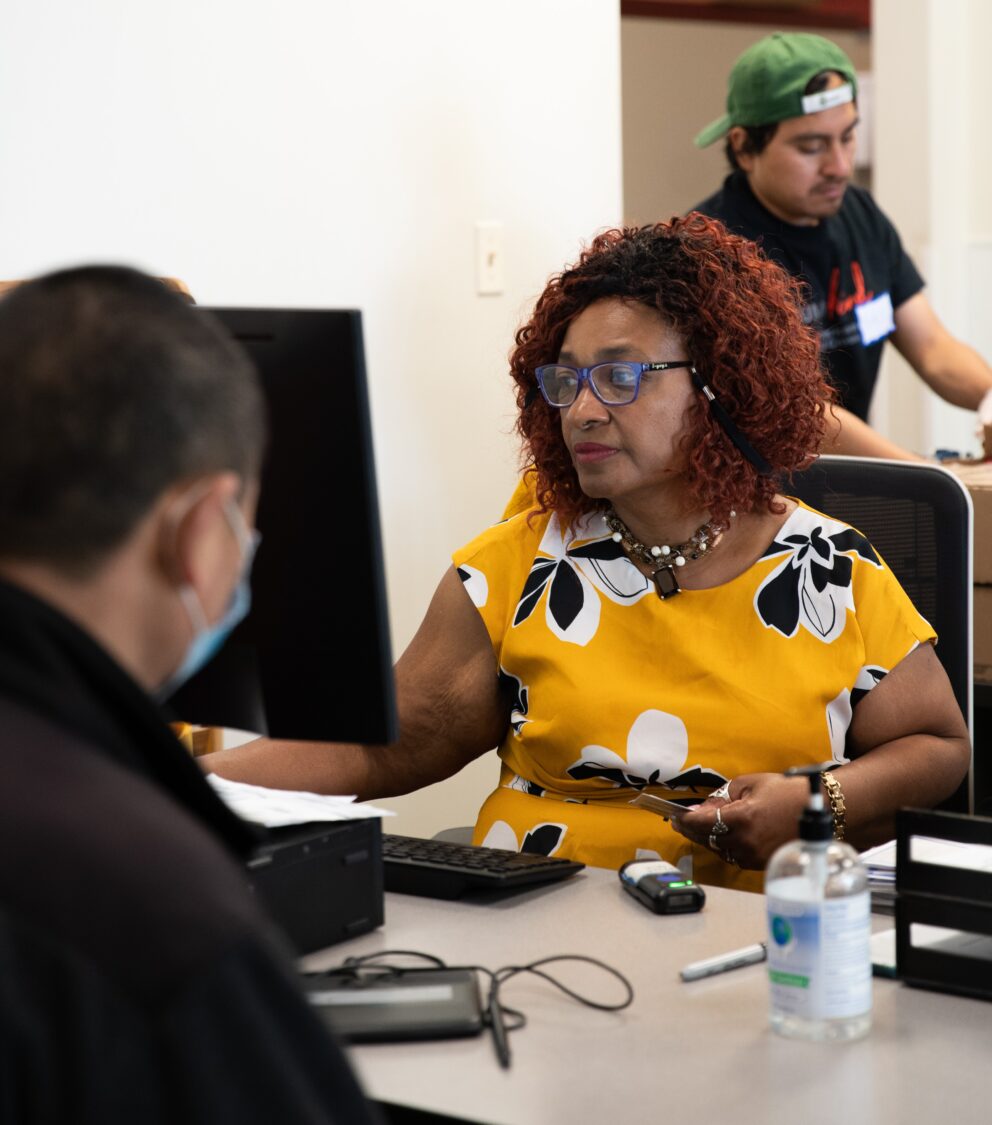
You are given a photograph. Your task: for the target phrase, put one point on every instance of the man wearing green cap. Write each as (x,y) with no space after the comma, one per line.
(790,135)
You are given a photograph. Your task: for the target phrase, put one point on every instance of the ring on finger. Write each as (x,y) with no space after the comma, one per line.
(719,828)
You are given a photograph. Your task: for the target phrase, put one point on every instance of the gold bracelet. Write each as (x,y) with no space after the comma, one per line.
(835,795)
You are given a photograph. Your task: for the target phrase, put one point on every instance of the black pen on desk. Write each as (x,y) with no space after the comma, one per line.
(498,1028)
(724,962)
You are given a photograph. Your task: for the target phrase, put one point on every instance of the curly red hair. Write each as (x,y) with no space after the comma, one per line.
(740,316)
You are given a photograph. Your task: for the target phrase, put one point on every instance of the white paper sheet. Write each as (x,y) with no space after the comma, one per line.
(276,808)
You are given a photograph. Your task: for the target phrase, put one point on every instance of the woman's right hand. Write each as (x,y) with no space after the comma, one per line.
(760,814)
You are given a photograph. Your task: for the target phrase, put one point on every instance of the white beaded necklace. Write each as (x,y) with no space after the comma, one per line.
(665,558)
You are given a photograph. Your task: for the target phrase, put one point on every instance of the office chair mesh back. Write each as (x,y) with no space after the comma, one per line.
(918,517)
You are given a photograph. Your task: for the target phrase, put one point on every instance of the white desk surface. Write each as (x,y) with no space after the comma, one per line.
(699,1052)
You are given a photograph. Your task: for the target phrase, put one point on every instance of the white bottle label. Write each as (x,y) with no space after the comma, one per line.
(819,959)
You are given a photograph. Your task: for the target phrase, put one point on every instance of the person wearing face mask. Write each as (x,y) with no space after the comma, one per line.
(138,979)
(207,639)
(789,133)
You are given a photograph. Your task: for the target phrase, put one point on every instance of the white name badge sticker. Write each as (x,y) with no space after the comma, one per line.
(875,319)
(827,99)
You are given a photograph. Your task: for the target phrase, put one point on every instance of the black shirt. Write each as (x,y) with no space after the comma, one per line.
(846,261)
(138,981)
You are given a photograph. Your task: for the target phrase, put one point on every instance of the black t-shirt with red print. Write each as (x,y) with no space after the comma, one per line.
(855,270)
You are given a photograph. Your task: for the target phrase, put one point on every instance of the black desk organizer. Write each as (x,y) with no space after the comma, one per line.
(936,895)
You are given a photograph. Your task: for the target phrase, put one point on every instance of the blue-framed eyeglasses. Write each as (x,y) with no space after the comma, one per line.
(614,384)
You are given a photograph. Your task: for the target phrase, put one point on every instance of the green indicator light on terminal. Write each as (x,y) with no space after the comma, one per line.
(673,885)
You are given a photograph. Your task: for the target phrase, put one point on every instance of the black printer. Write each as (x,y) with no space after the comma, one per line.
(321,882)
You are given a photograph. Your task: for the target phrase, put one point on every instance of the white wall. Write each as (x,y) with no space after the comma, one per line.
(338,153)
(933,176)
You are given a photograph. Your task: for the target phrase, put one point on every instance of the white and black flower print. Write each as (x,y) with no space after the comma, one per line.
(517,693)
(696,778)
(542,839)
(840,710)
(657,752)
(573,578)
(522,785)
(811,587)
(475,583)
(869,677)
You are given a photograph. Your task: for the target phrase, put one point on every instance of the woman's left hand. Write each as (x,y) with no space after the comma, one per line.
(761,813)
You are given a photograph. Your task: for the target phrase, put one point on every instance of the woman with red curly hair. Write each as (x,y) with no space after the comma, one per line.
(659,619)
(742,325)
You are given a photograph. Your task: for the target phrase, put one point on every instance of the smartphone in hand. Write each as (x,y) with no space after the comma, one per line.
(670,810)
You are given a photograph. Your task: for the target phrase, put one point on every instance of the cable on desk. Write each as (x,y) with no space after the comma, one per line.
(357,968)
(534,967)
(375,966)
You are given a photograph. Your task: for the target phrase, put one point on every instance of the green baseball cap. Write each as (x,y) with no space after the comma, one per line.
(768,81)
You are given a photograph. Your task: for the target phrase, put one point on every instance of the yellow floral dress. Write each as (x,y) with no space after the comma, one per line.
(612,691)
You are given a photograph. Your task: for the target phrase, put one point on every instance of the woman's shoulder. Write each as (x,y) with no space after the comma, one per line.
(530,532)
(518,533)
(816,569)
(808,531)
(826,552)
(525,547)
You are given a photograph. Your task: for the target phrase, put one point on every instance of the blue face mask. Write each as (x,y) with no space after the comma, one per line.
(209,639)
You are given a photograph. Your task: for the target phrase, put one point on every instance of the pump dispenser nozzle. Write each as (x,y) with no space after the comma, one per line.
(816,822)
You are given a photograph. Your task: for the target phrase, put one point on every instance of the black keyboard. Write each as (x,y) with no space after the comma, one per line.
(440,869)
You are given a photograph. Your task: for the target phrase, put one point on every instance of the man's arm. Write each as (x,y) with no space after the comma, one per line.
(949,367)
(450,709)
(846,433)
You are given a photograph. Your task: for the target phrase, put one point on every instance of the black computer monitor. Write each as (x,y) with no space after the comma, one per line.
(312,660)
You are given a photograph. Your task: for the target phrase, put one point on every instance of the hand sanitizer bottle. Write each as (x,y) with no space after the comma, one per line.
(819,926)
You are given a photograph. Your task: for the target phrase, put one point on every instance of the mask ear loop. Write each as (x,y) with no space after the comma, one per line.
(246,537)
(729,426)
(194,611)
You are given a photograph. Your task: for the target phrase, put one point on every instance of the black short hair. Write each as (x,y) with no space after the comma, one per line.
(757,137)
(112,389)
